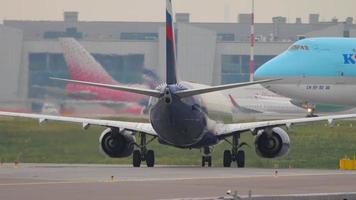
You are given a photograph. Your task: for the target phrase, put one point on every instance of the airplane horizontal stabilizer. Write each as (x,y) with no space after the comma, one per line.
(147,92)
(192,92)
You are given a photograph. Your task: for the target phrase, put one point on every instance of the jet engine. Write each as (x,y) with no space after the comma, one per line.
(116,144)
(272,143)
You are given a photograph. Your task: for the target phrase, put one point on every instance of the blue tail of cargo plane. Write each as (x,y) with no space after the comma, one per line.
(171,74)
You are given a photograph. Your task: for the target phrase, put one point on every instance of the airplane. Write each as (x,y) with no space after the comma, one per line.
(184,115)
(284,105)
(259,98)
(269,105)
(83,66)
(264,107)
(315,70)
(79,60)
(243,109)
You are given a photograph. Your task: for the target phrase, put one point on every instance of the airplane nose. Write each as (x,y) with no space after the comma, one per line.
(264,71)
(274,68)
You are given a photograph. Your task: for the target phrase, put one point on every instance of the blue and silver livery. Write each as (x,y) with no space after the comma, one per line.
(320,70)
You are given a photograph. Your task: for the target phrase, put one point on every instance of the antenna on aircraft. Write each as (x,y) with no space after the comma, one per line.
(252,41)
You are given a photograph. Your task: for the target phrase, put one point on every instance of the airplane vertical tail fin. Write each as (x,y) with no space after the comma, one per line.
(81,64)
(171,76)
(241,109)
(233,102)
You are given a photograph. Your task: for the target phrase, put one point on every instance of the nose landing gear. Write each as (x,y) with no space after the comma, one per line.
(206,158)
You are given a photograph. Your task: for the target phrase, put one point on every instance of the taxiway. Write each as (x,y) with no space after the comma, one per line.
(91,182)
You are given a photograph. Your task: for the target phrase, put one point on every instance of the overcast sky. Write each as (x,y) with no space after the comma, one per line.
(153,10)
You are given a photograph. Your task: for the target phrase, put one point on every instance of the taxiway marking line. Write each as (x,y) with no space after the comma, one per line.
(118,180)
(56,183)
(229,177)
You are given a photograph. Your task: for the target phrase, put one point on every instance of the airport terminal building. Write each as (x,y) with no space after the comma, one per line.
(30,51)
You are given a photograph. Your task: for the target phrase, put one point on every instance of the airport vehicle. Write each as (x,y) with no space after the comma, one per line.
(316,70)
(184,115)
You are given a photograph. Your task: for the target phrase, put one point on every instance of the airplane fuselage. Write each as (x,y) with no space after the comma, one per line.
(187,122)
(319,70)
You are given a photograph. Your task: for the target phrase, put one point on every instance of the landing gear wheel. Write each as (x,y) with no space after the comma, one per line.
(209,161)
(142,154)
(206,156)
(240,161)
(206,159)
(235,155)
(136,158)
(150,158)
(227,158)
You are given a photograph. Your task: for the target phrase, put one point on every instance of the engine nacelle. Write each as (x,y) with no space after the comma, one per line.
(272,143)
(116,144)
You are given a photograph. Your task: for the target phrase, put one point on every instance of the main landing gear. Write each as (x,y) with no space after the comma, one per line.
(143,154)
(235,155)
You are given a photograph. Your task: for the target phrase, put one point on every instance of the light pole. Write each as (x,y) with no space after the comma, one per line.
(252,41)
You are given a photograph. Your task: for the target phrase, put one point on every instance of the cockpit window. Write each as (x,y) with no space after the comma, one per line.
(297,47)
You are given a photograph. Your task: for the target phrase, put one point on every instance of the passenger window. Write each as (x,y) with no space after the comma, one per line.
(294,48)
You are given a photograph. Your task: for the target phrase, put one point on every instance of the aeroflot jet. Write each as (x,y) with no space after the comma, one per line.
(183,115)
(319,70)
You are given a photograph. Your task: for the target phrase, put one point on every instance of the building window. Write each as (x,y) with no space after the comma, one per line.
(231,64)
(226,37)
(37,61)
(139,36)
(236,68)
(231,69)
(123,68)
(234,78)
(70,32)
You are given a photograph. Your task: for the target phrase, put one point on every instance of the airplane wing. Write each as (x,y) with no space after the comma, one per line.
(226,130)
(132,126)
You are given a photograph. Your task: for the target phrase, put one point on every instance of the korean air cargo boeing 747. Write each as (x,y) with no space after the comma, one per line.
(319,70)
